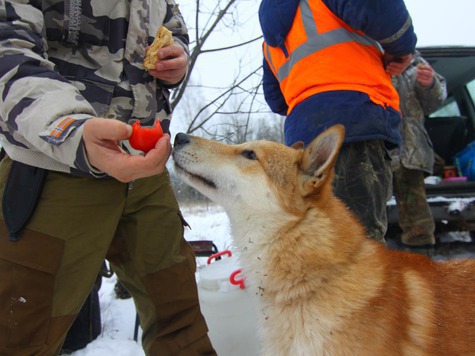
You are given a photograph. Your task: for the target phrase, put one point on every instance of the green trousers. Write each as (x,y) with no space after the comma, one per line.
(47,274)
(415,216)
(363,182)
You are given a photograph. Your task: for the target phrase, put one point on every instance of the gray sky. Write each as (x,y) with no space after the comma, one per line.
(443,22)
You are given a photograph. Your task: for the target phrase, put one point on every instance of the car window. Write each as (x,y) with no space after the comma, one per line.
(449,108)
(471,89)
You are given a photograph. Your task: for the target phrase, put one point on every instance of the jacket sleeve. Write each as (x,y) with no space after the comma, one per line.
(387,22)
(272,93)
(39,109)
(431,98)
(176,24)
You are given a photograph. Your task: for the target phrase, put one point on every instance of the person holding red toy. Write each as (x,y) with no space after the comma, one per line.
(72,85)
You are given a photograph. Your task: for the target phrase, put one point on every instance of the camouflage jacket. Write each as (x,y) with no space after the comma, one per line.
(64,61)
(416,102)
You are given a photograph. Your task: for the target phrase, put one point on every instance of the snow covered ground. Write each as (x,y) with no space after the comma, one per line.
(118,316)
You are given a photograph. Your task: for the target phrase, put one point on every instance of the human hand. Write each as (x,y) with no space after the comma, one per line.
(172,64)
(395,65)
(425,74)
(101,137)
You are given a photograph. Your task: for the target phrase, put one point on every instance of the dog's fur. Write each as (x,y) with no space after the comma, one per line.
(324,287)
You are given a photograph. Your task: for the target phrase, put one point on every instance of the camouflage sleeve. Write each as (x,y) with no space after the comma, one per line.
(34,98)
(431,98)
(176,24)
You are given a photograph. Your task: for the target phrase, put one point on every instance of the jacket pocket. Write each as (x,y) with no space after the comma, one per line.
(70,22)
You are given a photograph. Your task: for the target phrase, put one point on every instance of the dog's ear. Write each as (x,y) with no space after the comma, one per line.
(298,145)
(320,156)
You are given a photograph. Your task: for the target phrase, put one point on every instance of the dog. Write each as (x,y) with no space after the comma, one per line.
(323,286)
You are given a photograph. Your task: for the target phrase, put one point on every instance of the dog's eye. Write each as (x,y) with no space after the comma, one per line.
(249,154)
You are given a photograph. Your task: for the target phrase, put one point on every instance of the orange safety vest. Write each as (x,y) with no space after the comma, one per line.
(325,54)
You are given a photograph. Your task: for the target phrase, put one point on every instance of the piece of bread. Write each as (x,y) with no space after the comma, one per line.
(162,38)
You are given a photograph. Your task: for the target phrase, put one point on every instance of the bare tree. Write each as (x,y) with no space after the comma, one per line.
(242,126)
(238,103)
(207,22)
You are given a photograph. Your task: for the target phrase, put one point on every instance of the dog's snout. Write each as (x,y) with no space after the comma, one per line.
(181,139)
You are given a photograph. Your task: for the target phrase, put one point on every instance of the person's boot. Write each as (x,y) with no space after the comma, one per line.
(418,237)
(419,242)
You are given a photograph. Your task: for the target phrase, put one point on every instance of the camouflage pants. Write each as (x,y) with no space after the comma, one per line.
(363,182)
(47,274)
(415,217)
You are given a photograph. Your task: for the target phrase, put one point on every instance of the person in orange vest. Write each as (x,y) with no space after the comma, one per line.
(330,62)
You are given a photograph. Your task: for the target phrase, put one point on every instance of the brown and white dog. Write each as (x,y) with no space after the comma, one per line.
(324,287)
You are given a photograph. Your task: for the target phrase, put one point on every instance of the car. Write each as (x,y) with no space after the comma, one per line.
(451,128)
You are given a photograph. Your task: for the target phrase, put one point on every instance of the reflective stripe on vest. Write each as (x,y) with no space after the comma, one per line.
(351,60)
(317,42)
